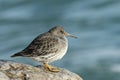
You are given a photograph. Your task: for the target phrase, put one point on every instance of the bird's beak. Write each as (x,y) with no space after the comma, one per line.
(70,35)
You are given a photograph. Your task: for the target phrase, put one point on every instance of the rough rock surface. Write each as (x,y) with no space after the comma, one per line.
(16,71)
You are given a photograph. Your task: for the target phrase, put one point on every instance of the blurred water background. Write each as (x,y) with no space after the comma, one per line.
(95,55)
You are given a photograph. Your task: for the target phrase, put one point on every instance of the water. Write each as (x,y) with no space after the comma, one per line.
(94,55)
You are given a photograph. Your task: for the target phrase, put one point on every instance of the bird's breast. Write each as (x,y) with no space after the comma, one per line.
(63,48)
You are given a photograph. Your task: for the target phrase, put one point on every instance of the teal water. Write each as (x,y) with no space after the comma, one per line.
(95,55)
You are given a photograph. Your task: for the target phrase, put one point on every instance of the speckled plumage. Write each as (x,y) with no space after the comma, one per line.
(47,47)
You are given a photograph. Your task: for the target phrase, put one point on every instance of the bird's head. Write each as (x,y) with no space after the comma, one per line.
(59,31)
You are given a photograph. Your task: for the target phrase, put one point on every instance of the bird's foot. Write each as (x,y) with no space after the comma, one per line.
(51,68)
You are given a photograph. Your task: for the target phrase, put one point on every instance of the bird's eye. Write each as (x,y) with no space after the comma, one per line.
(61,32)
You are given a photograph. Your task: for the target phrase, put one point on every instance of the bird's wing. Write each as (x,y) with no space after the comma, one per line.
(41,47)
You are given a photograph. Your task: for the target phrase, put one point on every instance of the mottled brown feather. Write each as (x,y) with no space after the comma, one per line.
(40,46)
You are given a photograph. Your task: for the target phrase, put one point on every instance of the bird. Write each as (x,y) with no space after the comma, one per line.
(47,47)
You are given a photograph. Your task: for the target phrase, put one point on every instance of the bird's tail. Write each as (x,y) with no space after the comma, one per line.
(17,54)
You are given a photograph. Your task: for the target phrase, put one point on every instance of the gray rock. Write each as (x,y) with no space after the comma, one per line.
(16,71)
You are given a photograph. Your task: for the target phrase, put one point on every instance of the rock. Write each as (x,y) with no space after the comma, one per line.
(16,71)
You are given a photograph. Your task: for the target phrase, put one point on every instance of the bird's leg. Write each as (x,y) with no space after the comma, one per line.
(50,68)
